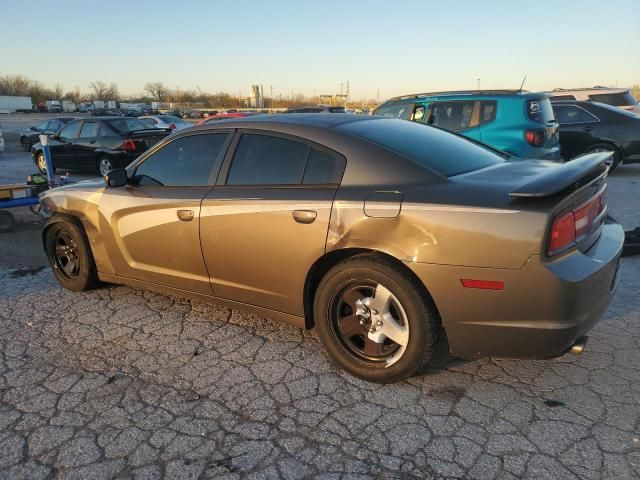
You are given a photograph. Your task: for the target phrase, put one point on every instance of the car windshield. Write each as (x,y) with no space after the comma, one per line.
(125,125)
(435,149)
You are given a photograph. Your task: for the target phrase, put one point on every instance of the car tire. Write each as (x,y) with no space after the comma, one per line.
(26,146)
(7,221)
(365,297)
(105,165)
(70,257)
(606,147)
(42,164)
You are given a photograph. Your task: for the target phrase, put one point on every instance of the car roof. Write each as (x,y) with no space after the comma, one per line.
(323,120)
(505,92)
(561,91)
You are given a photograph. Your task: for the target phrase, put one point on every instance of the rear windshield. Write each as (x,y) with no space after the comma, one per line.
(540,110)
(620,99)
(170,119)
(124,125)
(443,152)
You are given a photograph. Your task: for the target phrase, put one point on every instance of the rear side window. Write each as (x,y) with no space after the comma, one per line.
(188,161)
(569,114)
(620,99)
(434,149)
(125,125)
(488,110)
(540,110)
(453,116)
(269,160)
(266,160)
(398,110)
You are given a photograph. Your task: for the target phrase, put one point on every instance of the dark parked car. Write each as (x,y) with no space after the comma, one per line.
(316,109)
(595,127)
(101,143)
(378,232)
(31,135)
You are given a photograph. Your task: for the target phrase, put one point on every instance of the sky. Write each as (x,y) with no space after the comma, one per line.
(382,48)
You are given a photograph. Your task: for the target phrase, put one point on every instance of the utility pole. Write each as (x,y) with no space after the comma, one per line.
(341,88)
(478,79)
(378,96)
(347,92)
(271,87)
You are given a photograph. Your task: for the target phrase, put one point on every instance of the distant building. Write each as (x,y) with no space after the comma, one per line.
(256,99)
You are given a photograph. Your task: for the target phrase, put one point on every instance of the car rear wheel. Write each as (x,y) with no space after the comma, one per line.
(374,320)
(605,147)
(104,165)
(7,221)
(26,146)
(42,164)
(70,257)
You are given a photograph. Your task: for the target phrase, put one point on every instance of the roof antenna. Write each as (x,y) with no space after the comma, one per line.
(522,84)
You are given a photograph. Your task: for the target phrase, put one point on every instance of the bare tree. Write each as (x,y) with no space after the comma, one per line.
(14,85)
(99,90)
(157,90)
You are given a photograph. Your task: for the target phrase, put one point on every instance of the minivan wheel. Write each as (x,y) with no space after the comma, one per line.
(604,147)
(41,163)
(70,257)
(374,321)
(104,165)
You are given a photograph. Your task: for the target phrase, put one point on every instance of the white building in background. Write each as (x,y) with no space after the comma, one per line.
(256,99)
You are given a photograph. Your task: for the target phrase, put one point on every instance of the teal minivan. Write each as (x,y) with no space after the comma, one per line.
(518,122)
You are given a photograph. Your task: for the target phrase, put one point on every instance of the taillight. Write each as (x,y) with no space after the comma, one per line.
(172,126)
(534,138)
(570,226)
(128,145)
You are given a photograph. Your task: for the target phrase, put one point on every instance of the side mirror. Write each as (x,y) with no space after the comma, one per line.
(116,178)
(33,129)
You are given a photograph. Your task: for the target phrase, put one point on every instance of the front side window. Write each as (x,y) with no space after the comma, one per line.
(453,116)
(267,160)
(70,132)
(188,161)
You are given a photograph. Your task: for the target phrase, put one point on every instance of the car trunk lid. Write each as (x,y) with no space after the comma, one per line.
(145,139)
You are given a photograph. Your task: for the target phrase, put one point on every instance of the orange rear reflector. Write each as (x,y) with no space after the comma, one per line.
(484,284)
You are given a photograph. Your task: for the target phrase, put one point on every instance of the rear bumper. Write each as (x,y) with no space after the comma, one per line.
(543,309)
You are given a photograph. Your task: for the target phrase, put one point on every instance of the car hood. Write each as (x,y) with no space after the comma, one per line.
(91,185)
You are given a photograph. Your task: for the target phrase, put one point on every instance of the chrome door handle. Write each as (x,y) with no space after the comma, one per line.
(185,215)
(304,216)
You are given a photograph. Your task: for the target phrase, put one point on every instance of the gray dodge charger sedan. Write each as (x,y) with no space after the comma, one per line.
(380,233)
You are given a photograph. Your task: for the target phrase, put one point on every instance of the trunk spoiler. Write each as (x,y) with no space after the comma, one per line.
(565,175)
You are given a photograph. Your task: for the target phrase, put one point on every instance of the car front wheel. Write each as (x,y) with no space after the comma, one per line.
(375,320)
(42,164)
(70,257)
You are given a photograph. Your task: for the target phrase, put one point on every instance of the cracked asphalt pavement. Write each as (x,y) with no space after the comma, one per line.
(124,383)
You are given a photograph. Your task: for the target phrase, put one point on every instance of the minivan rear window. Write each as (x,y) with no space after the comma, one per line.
(620,99)
(442,152)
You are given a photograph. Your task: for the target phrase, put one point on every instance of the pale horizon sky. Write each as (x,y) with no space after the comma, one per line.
(308,47)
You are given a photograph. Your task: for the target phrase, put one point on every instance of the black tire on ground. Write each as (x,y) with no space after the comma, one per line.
(419,309)
(40,163)
(70,257)
(7,221)
(602,147)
